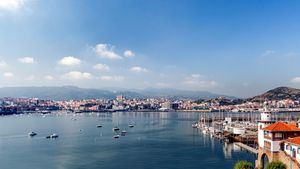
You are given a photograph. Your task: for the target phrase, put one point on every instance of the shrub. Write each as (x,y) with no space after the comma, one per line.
(243,165)
(276,165)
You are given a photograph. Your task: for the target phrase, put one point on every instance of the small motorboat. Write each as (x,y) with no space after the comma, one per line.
(123,132)
(99,126)
(116,129)
(54,135)
(131,125)
(31,134)
(116,136)
(205,130)
(195,125)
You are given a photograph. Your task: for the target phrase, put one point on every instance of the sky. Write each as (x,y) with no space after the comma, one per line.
(232,47)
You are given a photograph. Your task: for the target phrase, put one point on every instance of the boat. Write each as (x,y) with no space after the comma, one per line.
(131,125)
(54,135)
(123,132)
(195,125)
(116,136)
(99,126)
(205,130)
(211,130)
(31,134)
(116,129)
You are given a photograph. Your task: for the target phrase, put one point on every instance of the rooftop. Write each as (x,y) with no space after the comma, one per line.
(295,140)
(281,126)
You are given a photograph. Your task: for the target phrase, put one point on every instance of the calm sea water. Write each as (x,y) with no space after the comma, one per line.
(158,140)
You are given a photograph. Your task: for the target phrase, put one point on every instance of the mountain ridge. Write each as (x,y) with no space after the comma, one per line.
(278,93)
(77,93)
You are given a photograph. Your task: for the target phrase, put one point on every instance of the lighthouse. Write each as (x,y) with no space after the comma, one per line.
(265,120)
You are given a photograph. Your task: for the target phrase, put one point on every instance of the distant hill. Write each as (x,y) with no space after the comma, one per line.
(76,93)
(278,94)
(183,94)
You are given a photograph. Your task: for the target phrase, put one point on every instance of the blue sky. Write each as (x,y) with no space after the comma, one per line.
(238,48)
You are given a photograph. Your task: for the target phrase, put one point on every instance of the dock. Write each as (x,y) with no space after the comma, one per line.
(248,148)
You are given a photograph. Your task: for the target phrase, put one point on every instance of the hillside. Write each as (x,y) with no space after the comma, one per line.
(72,92)
(278,93)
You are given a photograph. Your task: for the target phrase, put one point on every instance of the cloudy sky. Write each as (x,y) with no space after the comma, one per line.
(238,48)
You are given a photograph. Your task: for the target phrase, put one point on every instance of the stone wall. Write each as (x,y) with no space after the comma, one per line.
(276,156)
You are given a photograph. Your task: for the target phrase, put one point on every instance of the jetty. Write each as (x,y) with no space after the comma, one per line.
(246,147)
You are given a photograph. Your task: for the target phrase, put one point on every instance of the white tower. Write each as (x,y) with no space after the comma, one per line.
(265,120)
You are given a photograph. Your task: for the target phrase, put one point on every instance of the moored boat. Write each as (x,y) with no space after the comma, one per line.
(116,136)
(116,129)
(31,134)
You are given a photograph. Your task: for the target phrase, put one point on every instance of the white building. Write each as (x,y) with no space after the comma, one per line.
(265,120)
(292,148)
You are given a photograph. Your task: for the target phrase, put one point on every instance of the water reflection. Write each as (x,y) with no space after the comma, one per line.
(158,140)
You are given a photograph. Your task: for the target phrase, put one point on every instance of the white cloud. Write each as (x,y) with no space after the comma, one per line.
(49,77)
(129,53)
(195,75)
(76,75)
(11,5)
(101,67)
(138,69)
(196,81)
(268,52)
(296,80)
(69,61)
(3,64)
(8,75)
(106,51)
(30,78)
(112,78)
(27,60)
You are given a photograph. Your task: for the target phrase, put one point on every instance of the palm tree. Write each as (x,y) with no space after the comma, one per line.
(276,165)
(243,165)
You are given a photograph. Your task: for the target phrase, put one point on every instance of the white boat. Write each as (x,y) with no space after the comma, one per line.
(195,125)
(31,134)
(204,131)
(211,129)
(131,125)
(116,129)
(99,126)
(116,136)
(53,135)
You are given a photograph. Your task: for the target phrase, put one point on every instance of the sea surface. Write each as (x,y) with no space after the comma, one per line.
(159,140)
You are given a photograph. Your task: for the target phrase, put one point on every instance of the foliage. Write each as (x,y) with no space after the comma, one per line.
(243,165)
(276,165)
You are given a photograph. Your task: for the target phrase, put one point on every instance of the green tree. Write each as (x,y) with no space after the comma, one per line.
(243,165)
(276,165)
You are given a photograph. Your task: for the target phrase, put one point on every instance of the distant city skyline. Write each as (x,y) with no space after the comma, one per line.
(237,48)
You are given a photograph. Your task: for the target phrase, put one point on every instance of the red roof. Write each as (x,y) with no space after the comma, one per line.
(281,126)
(295,140)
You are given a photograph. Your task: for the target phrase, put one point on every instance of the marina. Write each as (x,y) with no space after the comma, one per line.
(165,136)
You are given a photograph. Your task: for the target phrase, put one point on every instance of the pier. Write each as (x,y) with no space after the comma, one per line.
(247,116)
(246,147)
